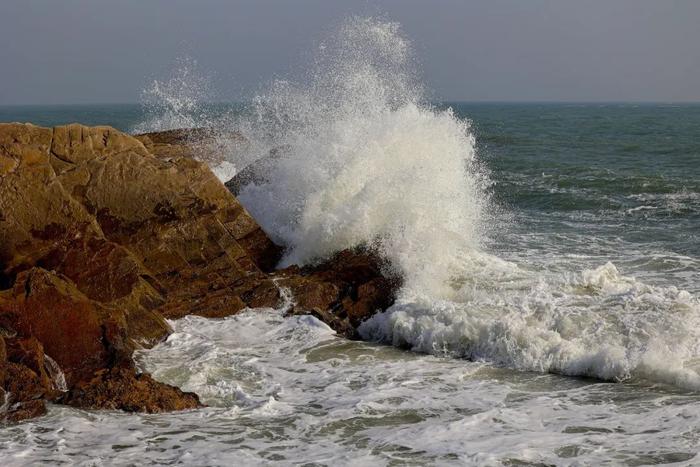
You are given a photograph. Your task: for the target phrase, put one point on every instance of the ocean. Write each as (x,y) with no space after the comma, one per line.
(550,307)
(598,209)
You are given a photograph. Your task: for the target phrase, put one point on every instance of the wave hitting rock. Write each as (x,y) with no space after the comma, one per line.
(105,235)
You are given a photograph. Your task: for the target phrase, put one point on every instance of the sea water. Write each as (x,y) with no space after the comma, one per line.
(550,258)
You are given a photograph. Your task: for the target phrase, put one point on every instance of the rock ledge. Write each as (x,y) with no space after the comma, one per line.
(104,236)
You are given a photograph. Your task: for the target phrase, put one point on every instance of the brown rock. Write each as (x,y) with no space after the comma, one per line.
(36,215)
(77,144)
(342,292)
(43,224)
(23,384)
(121,389)
(29,353)
(128,227)
(104,235)
(99,236)
(68,324)
(20,411)
(174,216)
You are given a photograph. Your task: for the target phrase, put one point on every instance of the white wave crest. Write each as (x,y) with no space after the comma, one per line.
(366,163)
(598,323)
(357,158)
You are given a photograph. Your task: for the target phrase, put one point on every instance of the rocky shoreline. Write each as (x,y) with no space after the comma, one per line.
(104,236)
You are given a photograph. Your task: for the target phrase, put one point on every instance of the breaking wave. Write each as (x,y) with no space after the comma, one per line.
(366,162)
(354,156)
(597,323)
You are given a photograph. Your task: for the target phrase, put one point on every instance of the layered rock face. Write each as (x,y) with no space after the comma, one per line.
(103,235)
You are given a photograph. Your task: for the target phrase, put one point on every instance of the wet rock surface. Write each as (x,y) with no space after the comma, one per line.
(105,235)
(122,389)
(341,292)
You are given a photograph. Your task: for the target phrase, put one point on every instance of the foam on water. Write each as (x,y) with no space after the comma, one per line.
(286,391)
(597,323)
(365,162)
(361,160)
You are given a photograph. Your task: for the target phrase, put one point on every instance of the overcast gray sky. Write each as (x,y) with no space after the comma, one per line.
(82,51)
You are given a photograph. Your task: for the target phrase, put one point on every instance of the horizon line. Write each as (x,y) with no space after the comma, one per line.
(437,101)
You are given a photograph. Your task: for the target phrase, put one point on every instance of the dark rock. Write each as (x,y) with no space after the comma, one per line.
(3,364)
(104,235)
(203,144)
(25,410)
(121,389)
(342,292)
(255,172)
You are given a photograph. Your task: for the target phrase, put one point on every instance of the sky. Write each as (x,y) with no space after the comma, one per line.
(95,51)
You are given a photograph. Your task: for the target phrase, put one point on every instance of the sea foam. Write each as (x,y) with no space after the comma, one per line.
(362,160)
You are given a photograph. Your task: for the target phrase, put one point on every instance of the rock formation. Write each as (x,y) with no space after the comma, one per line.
(104,235)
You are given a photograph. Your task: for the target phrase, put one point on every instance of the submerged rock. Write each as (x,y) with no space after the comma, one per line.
(105,235)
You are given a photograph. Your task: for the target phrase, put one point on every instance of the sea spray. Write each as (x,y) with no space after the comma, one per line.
(365,162)
(180,101)
(185,100)
(362,160)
